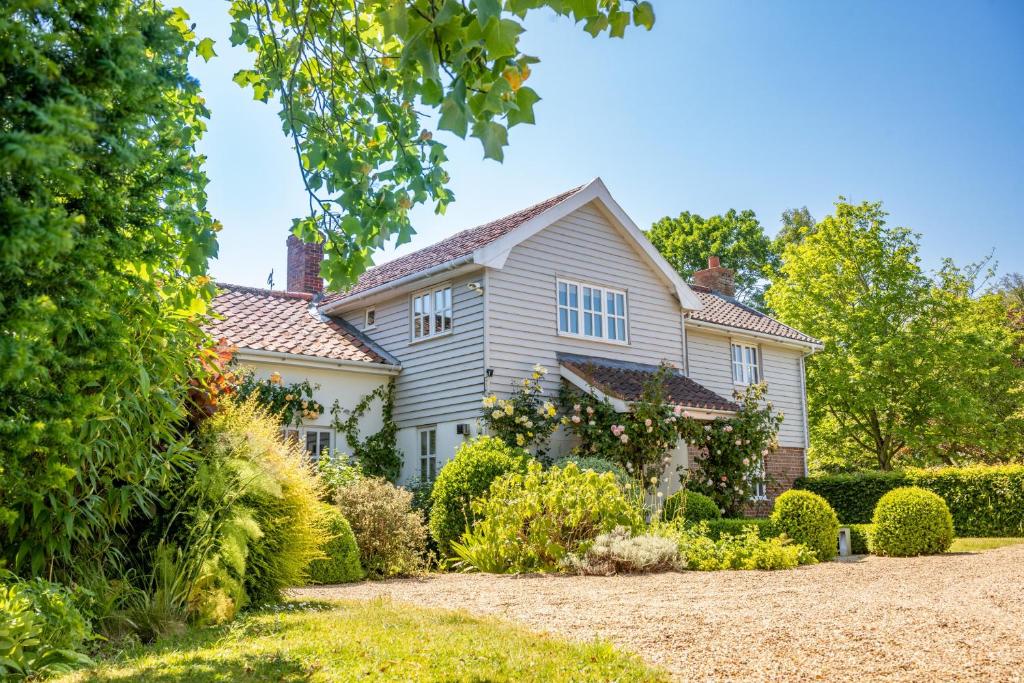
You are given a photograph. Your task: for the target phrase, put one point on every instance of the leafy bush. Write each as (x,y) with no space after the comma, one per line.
(984,500)
(41,630)
(274,483)
(340,563)
(808,519)
(530,522)
(691,506)
(746,550)
(466,477)
(860,538)
(336,473)
(620,552)
(526,418)
(392,537)
(735,525)
(911,521)
(595,463)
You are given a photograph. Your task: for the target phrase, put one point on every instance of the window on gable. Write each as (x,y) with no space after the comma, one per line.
(431,313)
(746,368)
(592,312)
(370,318)
(428,453)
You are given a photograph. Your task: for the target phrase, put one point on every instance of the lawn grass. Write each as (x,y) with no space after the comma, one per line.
(972,545)
(377,640)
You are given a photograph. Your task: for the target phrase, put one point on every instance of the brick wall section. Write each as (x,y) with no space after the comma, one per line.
(783,467)
(304,266)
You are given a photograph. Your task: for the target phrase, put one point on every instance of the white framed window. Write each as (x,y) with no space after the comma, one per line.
(428,453)
(746,366)
(370,318)
(314,440)
(431,313)
(759,490)
(591,311)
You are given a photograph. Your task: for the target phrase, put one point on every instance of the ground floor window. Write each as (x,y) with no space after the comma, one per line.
(428,453)
(316,441)
(760,481)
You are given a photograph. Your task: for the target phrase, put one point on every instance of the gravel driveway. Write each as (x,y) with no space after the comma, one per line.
(950,617)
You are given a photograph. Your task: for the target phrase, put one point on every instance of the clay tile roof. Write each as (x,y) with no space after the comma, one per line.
(625,380)
(723,310)
(265,320)
(459,244)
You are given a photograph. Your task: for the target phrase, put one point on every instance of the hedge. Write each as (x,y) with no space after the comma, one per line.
(860,538)
(984,500)
(735,526)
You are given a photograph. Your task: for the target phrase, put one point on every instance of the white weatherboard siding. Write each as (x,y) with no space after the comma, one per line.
(710,365)
(345,386)
(442,378)
(584,247)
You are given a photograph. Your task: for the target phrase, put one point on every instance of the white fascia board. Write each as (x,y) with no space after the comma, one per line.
(622,406)
(301,360)
(408,283)
(761,336)
(494,254)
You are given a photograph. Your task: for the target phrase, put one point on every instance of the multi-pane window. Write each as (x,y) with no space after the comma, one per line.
(432,313)
(428,453)
(745,366)
(760,483)
(315,441)
(594,312)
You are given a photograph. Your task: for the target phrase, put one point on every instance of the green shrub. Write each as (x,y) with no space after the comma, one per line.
(808,519)
(530,522)
(716,528)
(340,563)
(620,552)
(697,508)
(596,463)
(468,476)
(392,537)
(336,473)
(984,500)
(911,521)
(860,538)
(41,630)
(746,550)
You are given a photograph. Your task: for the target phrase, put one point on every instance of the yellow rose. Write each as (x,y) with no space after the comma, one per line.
(275,378)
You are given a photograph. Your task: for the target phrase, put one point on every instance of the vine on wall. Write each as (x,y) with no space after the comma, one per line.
(293,403)
(377,455)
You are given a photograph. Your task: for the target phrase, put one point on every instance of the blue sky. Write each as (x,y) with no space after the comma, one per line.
(759,105)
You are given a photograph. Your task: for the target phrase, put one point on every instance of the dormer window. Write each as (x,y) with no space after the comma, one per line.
(746,368)
(431,313)
(591,312)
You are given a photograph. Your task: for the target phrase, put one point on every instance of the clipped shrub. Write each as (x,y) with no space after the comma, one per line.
(529,522)
(860,538)
(691,506)
(716,528)
(596,463)
(985,500)
(467,476)
(340,563)
(620,552)
(911,521)
(745,550)
(392,537)
(42,632)
(808,519)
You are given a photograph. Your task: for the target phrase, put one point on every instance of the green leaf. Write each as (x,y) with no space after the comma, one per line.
(239,32)
(454,116)
(205,49)
(643,15)
(431,93)
(618,21)
(500,36)
(487,10)
(494,137)
(525,99)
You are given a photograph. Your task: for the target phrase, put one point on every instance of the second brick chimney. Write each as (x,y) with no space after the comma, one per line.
(304,266)
(716,278)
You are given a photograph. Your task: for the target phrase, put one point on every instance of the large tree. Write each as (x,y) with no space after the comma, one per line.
(796,224)
(360,82)
(915,369)
(737,237)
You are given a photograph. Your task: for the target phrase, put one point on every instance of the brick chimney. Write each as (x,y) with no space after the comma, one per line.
(304,266)
(716,278)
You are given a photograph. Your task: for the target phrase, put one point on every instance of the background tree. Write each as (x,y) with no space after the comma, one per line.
(737,237)
(914,369)
(796,224)
(359,85)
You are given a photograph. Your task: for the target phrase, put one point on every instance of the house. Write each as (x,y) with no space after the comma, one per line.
(570,283)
